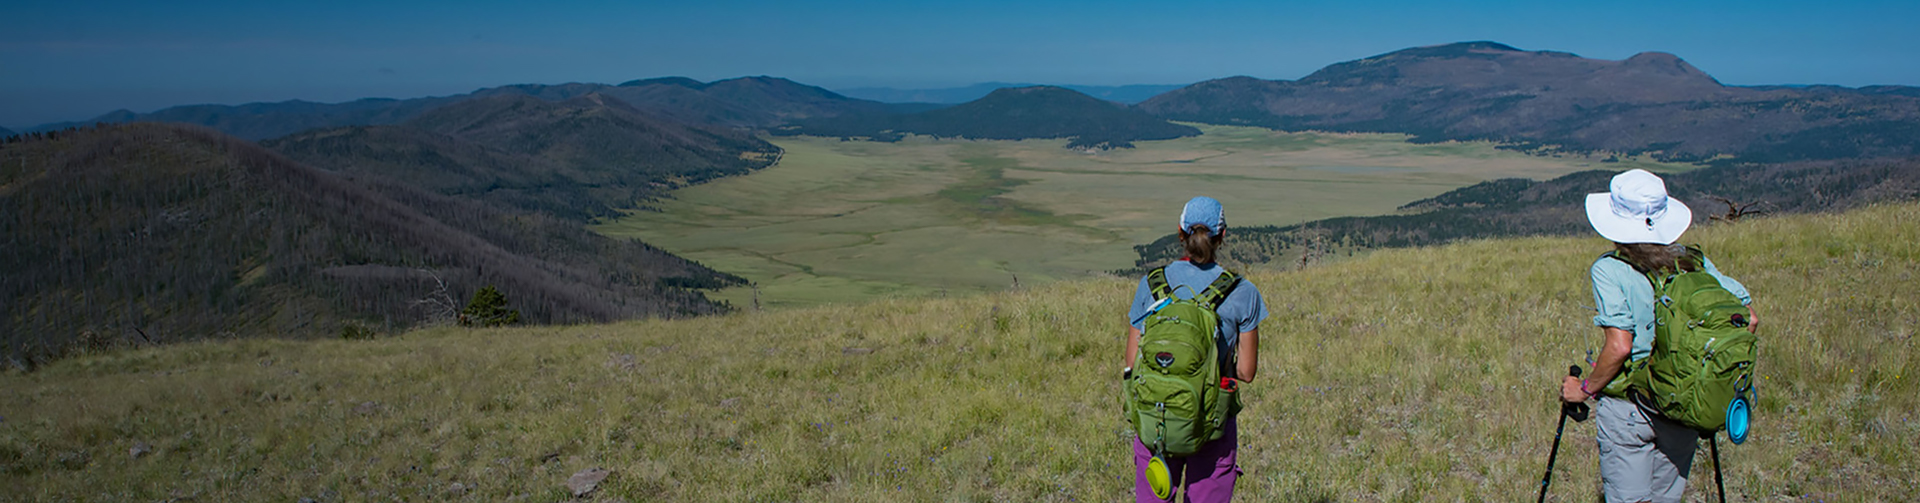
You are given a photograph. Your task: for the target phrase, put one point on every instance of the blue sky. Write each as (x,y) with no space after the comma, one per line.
(72,60)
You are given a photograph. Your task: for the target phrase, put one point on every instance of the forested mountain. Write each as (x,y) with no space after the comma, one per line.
(755,102)
(577,158)
(1522,207)
(1650,103)
(255,121)
(1129,94)
(1009,114)
(157,233)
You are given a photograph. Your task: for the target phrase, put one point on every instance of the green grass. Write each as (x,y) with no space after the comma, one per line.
(846,222)
(1403,375)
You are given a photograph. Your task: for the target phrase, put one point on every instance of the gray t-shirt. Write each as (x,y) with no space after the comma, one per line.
(1242,311)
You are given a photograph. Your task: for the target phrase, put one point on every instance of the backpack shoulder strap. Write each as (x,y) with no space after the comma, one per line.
(1157,283)
(1217,293)
(1697,256)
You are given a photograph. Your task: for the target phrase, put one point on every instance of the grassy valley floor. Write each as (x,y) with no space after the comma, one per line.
(1405,375)
(838,222)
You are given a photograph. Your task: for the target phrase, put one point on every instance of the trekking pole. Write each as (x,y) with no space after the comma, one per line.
(1579,413)
(1714,443)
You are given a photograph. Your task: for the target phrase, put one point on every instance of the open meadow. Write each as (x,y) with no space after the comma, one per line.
(1404,375)
(847,221)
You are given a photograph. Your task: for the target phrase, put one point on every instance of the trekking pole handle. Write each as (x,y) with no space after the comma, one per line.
(1577,411)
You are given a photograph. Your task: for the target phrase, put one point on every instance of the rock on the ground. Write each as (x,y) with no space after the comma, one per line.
(584,482)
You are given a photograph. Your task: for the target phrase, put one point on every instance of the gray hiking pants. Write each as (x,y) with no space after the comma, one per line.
(1642,457)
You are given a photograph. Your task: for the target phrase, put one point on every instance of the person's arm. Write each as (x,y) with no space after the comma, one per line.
(1738,290)
(1247,356)
(1133,346)
(1613,355)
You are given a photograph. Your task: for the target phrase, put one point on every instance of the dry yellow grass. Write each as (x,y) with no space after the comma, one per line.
(1404,375)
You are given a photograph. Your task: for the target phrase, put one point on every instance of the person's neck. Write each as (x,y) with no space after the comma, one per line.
(1202,265)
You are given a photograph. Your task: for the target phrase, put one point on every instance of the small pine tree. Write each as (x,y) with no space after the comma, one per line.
(488,309)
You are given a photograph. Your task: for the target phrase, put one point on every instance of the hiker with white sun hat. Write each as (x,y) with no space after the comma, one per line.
(1643,455)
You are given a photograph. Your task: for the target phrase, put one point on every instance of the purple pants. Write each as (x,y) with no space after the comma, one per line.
(1209,474)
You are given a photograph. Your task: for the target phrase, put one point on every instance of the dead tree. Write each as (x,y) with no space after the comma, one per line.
(1736,210)
(439,304)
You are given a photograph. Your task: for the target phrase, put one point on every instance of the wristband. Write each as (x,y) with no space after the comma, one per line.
(1126,373)
(1583,388)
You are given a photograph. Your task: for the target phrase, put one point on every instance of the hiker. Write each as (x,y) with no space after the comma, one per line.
(1208,472)
(1643,455)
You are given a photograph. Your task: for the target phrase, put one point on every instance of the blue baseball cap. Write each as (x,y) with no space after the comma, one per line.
(1205,211)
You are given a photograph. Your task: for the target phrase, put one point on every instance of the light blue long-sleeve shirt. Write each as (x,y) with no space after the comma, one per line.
(1624,300)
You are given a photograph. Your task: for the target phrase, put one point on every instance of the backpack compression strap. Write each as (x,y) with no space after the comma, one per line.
(1157,283)
(1216,293)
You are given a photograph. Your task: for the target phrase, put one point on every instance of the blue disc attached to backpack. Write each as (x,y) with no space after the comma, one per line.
(1737,420)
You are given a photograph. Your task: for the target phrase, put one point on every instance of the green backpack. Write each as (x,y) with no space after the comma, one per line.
(1702,354)
(1175,398)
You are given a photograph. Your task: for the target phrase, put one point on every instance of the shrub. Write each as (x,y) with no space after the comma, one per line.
(488,309)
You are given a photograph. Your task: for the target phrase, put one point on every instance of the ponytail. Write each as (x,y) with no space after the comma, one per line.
(1201,243)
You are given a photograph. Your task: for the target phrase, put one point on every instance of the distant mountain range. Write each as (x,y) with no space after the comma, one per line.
(1130,94)
(159,233)
(754,102)
(1652,103)
(1008,114)
(577,158)
(4,132)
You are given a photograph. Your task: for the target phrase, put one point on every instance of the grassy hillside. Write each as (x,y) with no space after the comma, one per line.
(1406,375)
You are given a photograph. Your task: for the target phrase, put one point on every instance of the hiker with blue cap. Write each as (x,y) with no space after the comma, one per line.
(1194,335)
(1641,289)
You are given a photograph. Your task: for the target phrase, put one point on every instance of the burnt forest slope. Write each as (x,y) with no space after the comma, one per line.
(153,233)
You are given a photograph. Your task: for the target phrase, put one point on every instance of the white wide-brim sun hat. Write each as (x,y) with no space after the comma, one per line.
(1637,209)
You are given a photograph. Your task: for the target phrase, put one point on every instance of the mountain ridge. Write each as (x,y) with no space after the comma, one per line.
(1127,94)
(1651,103)
(739,102)
(579,158)
(1010,114)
